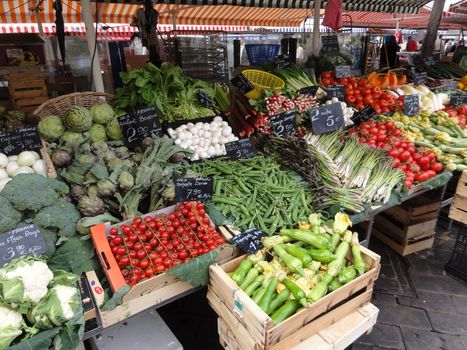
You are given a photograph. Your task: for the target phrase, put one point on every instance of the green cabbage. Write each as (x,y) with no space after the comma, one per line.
(102,113)
(50,128)
(97,133)
(77,119)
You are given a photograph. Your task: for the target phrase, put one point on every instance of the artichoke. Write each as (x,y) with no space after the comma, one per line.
(76,192)
(147,143)
(109,155)
(61,157)
(92,191)
(99,147)
(87,158)
(106,188)
(102,113)
(17,115)
(90,178)
(12,125)
(91,206)
(51,128)
(85,148)
(81,229)
(137,158)
(113,130)
(77,119)
(72,138)
(113,163)
(169,192)
(122,152)
(97,133)
(126,181)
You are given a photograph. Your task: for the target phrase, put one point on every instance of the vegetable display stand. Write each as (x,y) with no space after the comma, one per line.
(152,291)
(458,209)
(252,328)
(420,209)
(27,90)
(337,336)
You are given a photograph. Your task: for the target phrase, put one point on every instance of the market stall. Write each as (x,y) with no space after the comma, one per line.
(265,187)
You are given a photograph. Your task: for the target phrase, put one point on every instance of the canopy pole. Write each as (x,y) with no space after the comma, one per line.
(316,17)
(86,14)
(37,14)
(432,30)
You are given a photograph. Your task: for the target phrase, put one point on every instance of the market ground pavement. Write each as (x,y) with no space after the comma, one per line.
(421,308)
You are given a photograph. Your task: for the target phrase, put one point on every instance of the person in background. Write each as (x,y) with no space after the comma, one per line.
(447,46)
(453,47)
(438,43)
(388,55)
(411,45)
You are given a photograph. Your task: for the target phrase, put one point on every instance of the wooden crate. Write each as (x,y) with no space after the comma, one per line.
(27,90)
(419,209)
(254,329)
(153,291)
(409,246)
(458,209)
(401,232)
(337,336)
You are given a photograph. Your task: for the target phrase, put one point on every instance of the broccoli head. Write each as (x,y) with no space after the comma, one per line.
(32,192)
(60,216)
(50,238)
(9,216)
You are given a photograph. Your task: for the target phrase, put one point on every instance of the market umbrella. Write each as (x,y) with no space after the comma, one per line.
(60,28)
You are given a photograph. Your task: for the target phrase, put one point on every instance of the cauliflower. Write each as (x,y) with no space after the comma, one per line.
(65,294)
(11,322)
(25,280)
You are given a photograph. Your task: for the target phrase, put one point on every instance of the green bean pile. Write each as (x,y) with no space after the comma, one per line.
(256,192)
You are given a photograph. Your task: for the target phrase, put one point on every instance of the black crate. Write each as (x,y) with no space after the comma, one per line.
(457,265)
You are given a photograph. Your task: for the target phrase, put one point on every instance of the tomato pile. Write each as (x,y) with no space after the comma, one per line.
(417,163)
(359,93)
(152,245)
(459,112)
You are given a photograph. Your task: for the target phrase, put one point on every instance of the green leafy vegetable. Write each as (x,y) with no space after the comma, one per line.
(116,299)
(196,271)
(74,255)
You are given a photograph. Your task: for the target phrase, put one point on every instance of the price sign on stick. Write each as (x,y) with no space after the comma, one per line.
(26,240)
(13,143)
(337,90)
(342,72)
(330,43)
(420,78)
(204,99)
(139,124)
(451,85)
(411,105)
(193,189)
(242,83)
(241,149)
(309,90)
(362,115)
(284,123)
(327,118)
(250,240)
(458,99)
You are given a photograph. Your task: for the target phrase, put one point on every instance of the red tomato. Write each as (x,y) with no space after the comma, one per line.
(436,166)
(350,99)
(326,82)
(326,75)
(404,156)
(368,99)
(376,90)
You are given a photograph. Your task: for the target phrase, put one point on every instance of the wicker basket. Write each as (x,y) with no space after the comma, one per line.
(59,105)
(262,80)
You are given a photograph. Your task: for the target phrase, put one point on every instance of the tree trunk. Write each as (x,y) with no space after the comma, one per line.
(432,30)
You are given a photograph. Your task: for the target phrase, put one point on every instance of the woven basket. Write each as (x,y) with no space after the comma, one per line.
(59,105)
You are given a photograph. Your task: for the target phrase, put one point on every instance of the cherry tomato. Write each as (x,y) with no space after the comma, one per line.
(118,240)
(140,254)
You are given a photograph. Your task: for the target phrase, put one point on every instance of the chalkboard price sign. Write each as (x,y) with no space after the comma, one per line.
(327,118)
(330,43)
(411,105)
(458,99)
(451,85)
(193,189)
(337,90)
(342,72)
(241,149)
(242,83)
(25,240)
(429,61)
(139,124)
(204,99)
(13,143)
(250,240)
(364,114)
(420,78)
(284,123)
(309,90)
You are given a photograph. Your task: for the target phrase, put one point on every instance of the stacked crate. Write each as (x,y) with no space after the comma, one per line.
(457,265)
(244,325)
(409,227)
(28,90)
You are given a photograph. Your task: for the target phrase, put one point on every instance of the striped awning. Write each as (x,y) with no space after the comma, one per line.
(279,13)
(406,21)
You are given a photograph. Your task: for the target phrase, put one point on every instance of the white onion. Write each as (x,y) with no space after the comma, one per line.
(11,168)
(23,170)
(10,158)
(39,167)
(26,158)
(3,174)
(36,155)
(3,160)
